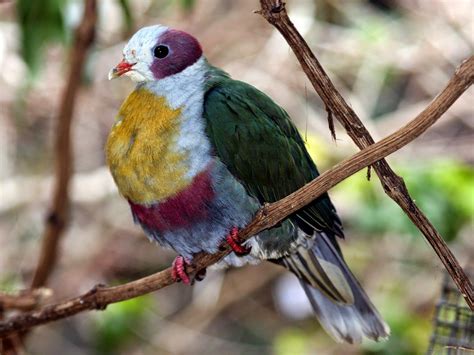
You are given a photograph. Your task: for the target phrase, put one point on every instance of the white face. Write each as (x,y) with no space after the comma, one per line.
(157,52)
(139,50)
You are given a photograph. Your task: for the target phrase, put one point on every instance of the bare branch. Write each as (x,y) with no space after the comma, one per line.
(274,12)
(100,296)
(25,300)
(58,215)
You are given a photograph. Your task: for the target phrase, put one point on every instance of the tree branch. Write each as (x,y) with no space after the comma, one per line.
(394,186)
(25,300)
(268,216)
(58,215)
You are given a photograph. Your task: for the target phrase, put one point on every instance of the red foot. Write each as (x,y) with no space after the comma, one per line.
(236,244)
(179,270)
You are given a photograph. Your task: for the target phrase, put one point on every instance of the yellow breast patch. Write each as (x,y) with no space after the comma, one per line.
(141,151)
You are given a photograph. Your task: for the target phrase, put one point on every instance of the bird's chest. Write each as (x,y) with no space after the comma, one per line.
(142,149)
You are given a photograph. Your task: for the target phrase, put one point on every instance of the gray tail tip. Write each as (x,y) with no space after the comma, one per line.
(348,323)
(357,338)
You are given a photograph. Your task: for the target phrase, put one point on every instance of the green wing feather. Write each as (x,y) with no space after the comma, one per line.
(256,140)
(262,148)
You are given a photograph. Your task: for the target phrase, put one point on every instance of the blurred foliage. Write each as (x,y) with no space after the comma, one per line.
(384,5)
(372,31)
(292,341)
(41,23)
(127,14)
(410,331)
(394,82)
(443,189)
(318,150)
(10,283)
(187,5)
(113,329)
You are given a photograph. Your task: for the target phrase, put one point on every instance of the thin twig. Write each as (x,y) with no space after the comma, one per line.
(58,215)
(274,12)
(271,214)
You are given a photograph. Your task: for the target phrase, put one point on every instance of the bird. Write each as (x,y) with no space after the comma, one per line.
(197,153)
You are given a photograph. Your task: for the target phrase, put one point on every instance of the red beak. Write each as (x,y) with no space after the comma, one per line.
(120,69)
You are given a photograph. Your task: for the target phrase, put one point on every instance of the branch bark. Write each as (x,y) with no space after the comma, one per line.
(100,296)
(275,13)
(58,214)
(25,300)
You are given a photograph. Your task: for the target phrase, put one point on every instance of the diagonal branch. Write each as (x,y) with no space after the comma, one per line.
(99,297)
(274,12)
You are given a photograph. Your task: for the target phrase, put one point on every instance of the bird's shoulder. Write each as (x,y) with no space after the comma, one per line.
(247,102)
(256,139)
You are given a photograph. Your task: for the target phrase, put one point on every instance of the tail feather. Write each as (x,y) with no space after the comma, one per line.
(341,305)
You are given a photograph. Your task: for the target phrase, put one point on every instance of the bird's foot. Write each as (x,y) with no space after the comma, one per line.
(236,243)
(179,273)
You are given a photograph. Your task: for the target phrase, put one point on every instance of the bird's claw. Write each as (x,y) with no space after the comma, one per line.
(178,271)
(236,243)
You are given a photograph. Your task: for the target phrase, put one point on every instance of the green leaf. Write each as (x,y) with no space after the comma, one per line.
(41,23)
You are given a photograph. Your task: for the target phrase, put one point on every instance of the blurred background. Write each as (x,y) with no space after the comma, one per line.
(388,58)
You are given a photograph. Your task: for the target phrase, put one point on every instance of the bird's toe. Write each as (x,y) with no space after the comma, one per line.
(178,271)
(236,243)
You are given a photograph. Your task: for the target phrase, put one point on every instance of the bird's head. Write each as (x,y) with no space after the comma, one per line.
(156,52)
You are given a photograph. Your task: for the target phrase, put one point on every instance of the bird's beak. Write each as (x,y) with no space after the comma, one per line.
(120,69)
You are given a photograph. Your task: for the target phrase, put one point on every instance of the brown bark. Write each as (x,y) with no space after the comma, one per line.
(25,300)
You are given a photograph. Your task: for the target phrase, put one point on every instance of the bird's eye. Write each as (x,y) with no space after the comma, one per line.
(161,51)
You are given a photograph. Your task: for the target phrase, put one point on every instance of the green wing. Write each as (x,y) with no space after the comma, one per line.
(256,140)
